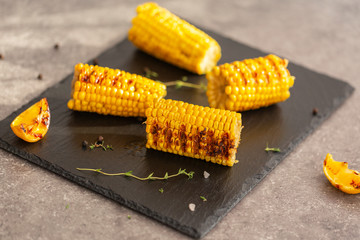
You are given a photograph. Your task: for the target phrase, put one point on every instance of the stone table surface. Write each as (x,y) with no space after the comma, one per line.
(295,201)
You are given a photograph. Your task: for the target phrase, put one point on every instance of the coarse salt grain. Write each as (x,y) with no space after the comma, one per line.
(206,174)
(192,207)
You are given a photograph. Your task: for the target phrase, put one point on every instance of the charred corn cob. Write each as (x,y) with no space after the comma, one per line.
(112,91)
(160,33)
(249,84)
(194,131)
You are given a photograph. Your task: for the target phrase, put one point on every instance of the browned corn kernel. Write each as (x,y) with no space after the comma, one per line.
(249,84)
(194,131)
(112,91)
(160,33)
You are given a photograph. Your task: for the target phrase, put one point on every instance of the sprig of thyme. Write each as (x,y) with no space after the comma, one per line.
(268,149)
(183,83)
(150,177)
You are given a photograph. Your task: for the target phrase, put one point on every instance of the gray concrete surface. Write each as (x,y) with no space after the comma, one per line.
(295,201)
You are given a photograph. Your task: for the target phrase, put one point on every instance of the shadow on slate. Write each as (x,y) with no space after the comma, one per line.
(283,125)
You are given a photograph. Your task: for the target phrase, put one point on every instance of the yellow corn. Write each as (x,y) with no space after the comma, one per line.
(249,84)
(194,131)
(112,91)
(160,33)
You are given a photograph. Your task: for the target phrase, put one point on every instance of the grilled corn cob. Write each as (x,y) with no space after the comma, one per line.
(249,84)
(194,131)
(112,91)
(160,33)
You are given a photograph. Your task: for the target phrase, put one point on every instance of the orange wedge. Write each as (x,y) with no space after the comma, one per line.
(340,176)
(32,124)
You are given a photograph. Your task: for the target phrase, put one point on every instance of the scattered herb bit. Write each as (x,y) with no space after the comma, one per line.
(150,74)
(128,216)
(1,56)
(161,190)
(315,111)
(67,206)
(100,144)
(40,76)
(56,46)
(180,83)
(95,61)
(268,149)
(192,207)
(206,174)
(150,177)
(203,198)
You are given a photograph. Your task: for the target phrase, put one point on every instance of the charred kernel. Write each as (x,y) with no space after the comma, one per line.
(40,76)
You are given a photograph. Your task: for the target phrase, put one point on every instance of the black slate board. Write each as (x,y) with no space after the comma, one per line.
(283,125)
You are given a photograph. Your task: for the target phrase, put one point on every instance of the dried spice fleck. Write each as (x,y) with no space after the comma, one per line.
(85,144)
(95,61)
(56,46)
(1,56)
(315,111)
(40,76)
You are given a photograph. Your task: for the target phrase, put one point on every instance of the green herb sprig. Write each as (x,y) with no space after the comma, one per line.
(183,83)
(150,177)
(269,149)
(150,74)
(101,145)
(203,198)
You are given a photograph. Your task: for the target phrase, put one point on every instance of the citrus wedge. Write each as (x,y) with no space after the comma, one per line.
(340,176)
(32,124)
